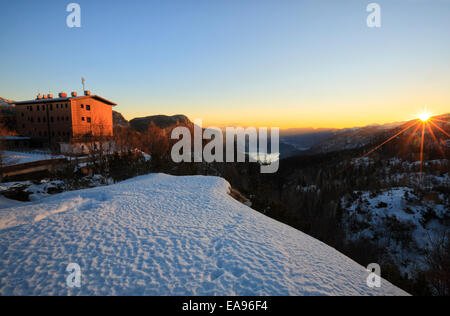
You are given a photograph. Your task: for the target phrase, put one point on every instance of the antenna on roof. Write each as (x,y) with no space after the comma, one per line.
(83,80)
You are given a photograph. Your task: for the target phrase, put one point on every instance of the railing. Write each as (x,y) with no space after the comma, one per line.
(28,167)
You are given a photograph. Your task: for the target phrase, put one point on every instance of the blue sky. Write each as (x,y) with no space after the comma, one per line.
(235,62)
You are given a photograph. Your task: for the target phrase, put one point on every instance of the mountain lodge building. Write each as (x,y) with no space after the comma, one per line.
(65,119)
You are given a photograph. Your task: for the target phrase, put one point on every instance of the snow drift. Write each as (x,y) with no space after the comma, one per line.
(165,235)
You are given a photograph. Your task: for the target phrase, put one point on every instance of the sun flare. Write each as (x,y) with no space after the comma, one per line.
(424,116)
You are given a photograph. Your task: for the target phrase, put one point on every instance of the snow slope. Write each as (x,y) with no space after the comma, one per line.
(165,235)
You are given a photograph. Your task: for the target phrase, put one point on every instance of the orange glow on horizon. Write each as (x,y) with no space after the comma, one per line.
(314,117)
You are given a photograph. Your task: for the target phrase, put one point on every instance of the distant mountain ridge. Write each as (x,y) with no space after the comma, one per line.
(292,141)
(119,120)
(141,124)
(8,115)
(6,101)
(7,106)
(357,137)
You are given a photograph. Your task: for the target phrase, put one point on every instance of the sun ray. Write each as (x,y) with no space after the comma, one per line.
(421,150)
(430,130)
(435,125)
(413,134)
(387,141)
(438,120)
(423,120)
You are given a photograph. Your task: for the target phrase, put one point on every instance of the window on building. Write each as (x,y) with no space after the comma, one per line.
(57,106)
(43,119)
(57,118)
(88,107)
(82,106)
(31,108)
(51,107)
(88,119)
(67,118)
(23,114)
(66,105)
(82,118)
(23,125)
(37,108)
(39,119)
(40,133)
(51,119)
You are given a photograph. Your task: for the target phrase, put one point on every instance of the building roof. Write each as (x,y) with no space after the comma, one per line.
(68,98)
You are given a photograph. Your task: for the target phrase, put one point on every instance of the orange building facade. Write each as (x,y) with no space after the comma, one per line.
(65,119)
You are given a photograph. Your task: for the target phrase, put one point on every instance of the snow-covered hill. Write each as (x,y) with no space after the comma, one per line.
(404,224)
(165,235)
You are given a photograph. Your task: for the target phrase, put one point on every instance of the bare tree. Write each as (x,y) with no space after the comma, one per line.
(155,141)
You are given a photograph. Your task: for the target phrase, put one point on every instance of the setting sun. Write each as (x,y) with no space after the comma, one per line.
(424,116)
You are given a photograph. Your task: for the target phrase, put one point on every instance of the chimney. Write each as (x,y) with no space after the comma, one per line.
(62,95)
(74,94)
(39,97)
(50,96)
(45,96)
(87,92)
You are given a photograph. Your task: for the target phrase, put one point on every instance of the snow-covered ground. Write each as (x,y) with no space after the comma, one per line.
(401,222)
(6,203)
(165,235)
(15,157)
